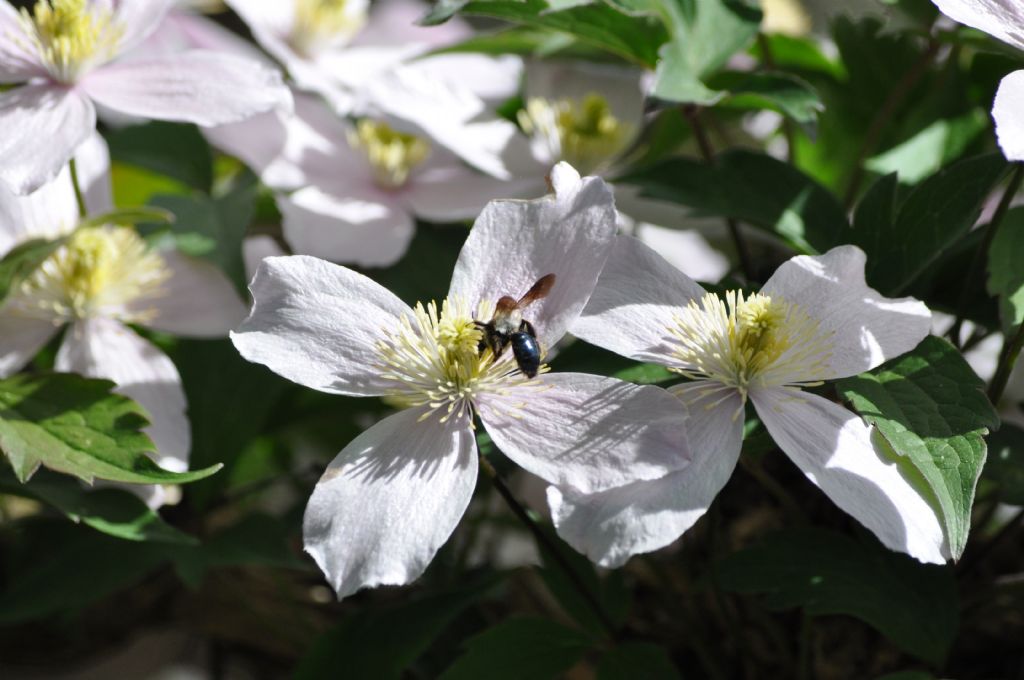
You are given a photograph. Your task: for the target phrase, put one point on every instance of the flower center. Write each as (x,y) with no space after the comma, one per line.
(98,271)
(434,359)
(320,23)
(392,154)
(70,35)
(757,341)
(584,133)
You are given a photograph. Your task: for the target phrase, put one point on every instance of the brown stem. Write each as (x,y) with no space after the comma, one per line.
(1007,360)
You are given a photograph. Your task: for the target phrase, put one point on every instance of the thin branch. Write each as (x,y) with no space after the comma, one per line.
(889,107)
(692,114)
(79,198)
(550,547)
(1007,360)
(981,254)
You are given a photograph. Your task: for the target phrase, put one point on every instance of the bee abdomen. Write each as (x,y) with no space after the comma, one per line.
(526,350)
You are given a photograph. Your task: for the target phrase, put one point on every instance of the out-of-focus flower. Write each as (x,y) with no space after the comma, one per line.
(65,53)
(814,320)
(1003,19)
(100,279)
(393,496)
(358,188)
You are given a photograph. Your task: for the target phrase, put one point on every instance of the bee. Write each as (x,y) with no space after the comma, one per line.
(508,327)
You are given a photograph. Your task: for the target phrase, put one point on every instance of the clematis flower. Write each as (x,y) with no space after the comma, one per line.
(100,279)
(393,496)
(358,188)
(1002,19)
(359,61)
(64,53)
(814,320)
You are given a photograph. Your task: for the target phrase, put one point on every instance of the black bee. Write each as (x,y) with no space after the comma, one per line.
(508,327)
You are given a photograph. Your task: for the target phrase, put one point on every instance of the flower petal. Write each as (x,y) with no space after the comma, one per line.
(104,348)
(611,526)
(862,327)
(43,125)
(449,191)
(369,233)
(1008,112)
(636,301)
(318,324)
(514,243)
(21,338)
(92,161)
(587,431)
(197,300)
(138,19)
(1003,19)
(256,141)
(389,500)
(202,87)
(833,447)
(18,62)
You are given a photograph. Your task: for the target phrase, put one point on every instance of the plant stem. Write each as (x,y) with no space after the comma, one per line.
(981,254)
(975,558)
(692,114)
(1007,360)
(787,125)
(79,198)
(550,547)
(881,119)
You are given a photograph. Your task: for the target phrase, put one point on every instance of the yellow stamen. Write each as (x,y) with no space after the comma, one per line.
(98,271)
(749,341)
(70,35)
(433,359)
(392,154)
(319,23)
(584,133)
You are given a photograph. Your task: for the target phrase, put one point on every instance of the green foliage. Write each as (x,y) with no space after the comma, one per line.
(1005,273)
(637,660)
(791,96)
(383,642)
(116,512)
(1005,466)
(78,426)
(912,604)
(22,260)
(130,216)
(935,214)
(518,649)
(175,150)
(930,408)
(929,150)
(754,187)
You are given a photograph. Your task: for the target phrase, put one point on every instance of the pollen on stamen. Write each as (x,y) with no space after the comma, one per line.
(585,133)
(744,341)
(435,358)
(70,36)
(322,23)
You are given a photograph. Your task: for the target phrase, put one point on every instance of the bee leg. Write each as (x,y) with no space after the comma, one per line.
(527,327)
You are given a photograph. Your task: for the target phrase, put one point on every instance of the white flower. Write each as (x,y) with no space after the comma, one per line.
(358,188)
(64,52)
(814,320)
(393,496)
(1003,19)
(99,280)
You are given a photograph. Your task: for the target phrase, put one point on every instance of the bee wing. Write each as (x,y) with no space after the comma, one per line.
(538,290)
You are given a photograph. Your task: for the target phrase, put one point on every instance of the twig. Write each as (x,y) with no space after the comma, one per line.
(896,96)
(1007,360)
(692,114)
(981,254)
(79,198)
(552,549)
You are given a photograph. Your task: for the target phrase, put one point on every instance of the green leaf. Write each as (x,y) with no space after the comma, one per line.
(78,426)
(1005,273)
(931,409)
(703,35)
(117,512)
(382,642)
(22,260)
(130,216)
(520,648)
(936,214)
(752,187)
(637,660)
(213,227)
(1005,465)
(912,604)
(646,374)
(635,38)
(63,567)
(931,148)
(780,92)
(176,150)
